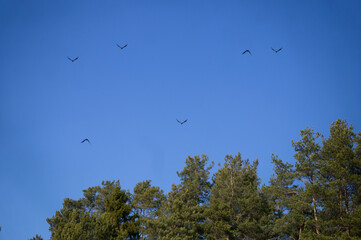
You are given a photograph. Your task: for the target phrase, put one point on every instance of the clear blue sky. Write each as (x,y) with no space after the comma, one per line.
(183,60)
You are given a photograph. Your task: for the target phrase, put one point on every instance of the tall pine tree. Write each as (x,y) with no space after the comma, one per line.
(147,201)
(341,170)
(104,213)
(184,212)
(237,209)
(307,172)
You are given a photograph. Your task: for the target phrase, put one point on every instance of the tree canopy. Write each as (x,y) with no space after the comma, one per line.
(317,195)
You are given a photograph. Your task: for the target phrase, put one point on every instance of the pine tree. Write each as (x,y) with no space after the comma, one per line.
(104,213)
(296,190)
(319,197)
(147,201)
(341,171)
(184,213)
(307,171)
(237,209)
(282,194)
(37,237)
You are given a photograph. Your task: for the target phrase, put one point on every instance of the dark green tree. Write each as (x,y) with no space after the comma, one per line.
(37,237)
(296,190)
(292,207)
(104,213)
(341,170)
(237,208)
(184,213)
(319,196)
(307,172)
(147,201)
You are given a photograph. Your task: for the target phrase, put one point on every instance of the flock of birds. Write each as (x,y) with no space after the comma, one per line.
(180,122)
(276,51)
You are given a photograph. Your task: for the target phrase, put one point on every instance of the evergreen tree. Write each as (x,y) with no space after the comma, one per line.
(307,172)
(37,237)
(184,212)
(341,171)
(282,193)
(237,209)
(147,201)
(104,213)
(319,196)
(295,190)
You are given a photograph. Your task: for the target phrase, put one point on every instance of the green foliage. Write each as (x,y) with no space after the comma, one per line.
(316,197)
(237,209)
(184,213)
(147,201)
(341,170)
(319,196)
(37,237)
(104,213)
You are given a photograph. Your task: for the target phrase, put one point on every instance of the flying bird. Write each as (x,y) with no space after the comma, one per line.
(276,51)
(121,46)
(73,60)
(85,140)
(247,51)
(182,122)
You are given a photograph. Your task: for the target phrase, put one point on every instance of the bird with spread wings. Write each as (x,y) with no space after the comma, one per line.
(73,60)
(121,46)
(85,140)
(247,51)
(181,123)
(276,51)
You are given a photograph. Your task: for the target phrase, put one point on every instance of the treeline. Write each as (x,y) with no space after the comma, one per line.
(318,197)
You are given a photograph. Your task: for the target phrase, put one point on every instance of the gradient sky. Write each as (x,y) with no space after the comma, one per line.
(183,61)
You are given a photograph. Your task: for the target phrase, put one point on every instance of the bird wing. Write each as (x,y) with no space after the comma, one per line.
(125,46)
(70,59)
(279,49)
(75,58)
(179,121)
(118,45)
(274,50)
(185,121)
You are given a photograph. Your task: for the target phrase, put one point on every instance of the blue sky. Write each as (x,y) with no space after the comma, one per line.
(183,60)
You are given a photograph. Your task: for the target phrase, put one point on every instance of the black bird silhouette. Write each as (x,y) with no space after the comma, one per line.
(73,60)
(247,51)
(276,51)
(182,122)
(121,46)
(85,140)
